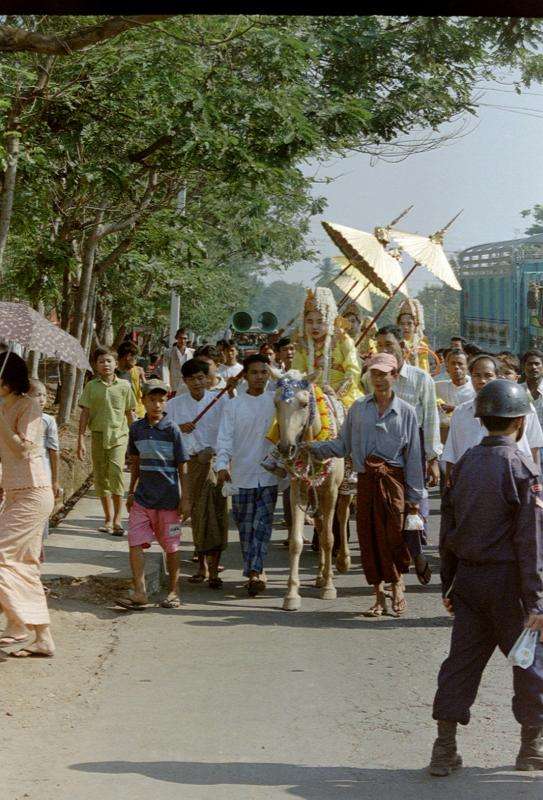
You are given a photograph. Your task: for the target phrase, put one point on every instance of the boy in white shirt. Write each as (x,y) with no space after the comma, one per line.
(209,514)
(241,447)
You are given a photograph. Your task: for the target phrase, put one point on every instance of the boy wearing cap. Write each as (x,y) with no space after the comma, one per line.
(158,497)
(381,435)
(491,548)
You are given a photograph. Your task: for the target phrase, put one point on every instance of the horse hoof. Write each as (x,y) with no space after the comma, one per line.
(292,603)
(343,566)
(319,583)
(329,594)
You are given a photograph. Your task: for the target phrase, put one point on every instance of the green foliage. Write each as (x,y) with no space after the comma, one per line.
(229,109)
(536,214)
(441,314)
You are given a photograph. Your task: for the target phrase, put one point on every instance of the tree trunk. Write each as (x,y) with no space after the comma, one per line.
(8,189)
(86,342)
(78,322)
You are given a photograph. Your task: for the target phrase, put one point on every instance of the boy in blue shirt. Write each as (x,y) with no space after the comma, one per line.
(158,497)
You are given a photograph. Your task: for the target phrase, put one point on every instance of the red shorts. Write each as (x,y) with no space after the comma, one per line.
(147,525)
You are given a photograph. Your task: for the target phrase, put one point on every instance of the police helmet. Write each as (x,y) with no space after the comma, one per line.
(501,398)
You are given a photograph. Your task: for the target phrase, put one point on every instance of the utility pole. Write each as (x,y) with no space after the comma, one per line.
(174,297)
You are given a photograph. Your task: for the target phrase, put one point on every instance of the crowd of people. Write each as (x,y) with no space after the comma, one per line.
(195,429)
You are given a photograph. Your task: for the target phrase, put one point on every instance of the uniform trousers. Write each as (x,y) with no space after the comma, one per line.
(252,510)
(488,613)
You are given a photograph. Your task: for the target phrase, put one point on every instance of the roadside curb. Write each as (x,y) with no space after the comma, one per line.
(103,588)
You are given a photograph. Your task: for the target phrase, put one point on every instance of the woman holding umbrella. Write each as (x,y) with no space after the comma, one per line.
(28,503)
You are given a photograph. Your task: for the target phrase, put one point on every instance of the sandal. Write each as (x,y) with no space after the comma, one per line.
(105,529)
(197,578)
(131,605)
(399,607)
(171,602)
(379,608)
(424,575)
(215,583)
(118,530)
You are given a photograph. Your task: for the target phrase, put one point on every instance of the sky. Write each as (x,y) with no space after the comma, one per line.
(493,172)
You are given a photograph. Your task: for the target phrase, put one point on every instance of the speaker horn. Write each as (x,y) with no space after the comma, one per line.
(242,321)
(268,321)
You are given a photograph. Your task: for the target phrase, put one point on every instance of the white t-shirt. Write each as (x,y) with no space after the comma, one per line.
(229,372)
(467,431)
(453,396)
(184,408)
(241,444)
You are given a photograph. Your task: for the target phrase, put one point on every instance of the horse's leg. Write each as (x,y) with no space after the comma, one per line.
(293,601)
(327,501)
(343,559)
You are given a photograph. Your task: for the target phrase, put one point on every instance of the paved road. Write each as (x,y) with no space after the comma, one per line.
(234,699)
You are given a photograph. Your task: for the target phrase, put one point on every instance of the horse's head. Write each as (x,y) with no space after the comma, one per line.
(295,409)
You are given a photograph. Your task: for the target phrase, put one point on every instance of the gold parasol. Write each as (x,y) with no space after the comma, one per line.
(428,251)
(353,273)
(368,255)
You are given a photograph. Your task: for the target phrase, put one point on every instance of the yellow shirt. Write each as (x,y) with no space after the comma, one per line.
(344,364)
(421,358)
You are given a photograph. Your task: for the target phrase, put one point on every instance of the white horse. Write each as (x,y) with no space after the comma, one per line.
(298,420)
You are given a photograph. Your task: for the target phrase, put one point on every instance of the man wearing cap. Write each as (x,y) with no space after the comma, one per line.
(491,548)
(158,497)
(381,435)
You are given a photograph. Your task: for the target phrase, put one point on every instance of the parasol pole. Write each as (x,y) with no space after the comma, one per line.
(385,305)
(215,400)
(353,299)
(9,350)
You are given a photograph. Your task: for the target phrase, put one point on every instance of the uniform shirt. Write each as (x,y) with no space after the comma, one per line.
(417,388)
(241,443)
(452,395)
(393,437)
(160,452)
(494,513)
(467,431)
(108,404)
(229,371)
(184,408)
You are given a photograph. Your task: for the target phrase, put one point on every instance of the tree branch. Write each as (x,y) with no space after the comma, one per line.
(130,221)
(14,39)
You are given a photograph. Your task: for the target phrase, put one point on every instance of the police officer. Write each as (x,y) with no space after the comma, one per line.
(491,547)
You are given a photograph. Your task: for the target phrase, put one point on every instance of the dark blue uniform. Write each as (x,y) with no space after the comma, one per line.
(491,547)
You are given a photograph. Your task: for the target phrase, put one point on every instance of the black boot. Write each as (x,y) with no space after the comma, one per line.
(530,755)
(445,757)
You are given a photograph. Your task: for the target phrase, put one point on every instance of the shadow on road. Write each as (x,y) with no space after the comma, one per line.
(325,783)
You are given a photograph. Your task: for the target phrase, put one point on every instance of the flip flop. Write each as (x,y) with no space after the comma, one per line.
(373,612)
(399,607)
(424,576)
(7,641)
(131,605)
(173,602)
(105,529)
(25,653)
(118,530)
(197,578)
